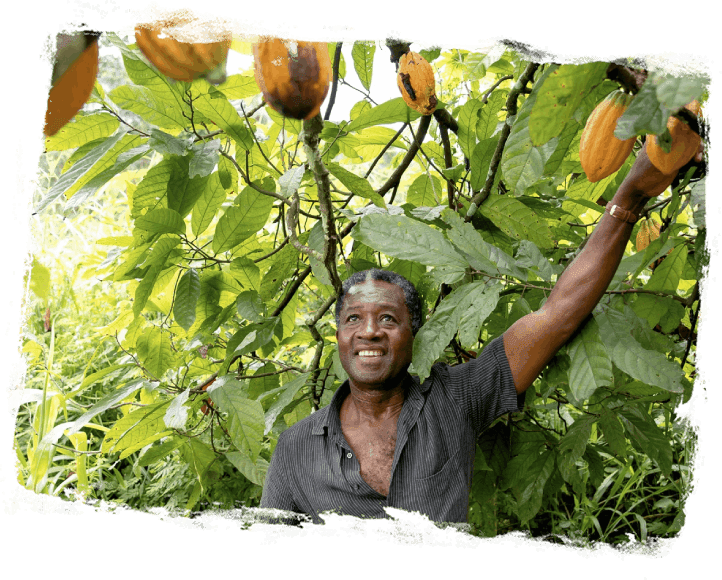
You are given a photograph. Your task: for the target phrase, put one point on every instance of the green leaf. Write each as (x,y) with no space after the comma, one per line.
(39,279)
(290,181)
(644,365)
(613,433)
(363,61)
(404,238)
(393,111)
(481,161)
(425,191)
(283,265)
(284,400)
(149,106)
(563,149)
(177,414)
(253,472)
(208,203)
(166,144)
(154,351)
(647,437)
(516,219)
(489,115)
(239,87)
(136,430)
(528,256)
(572,445)
(468,118)
(244,416)
(480,254)
(158,452)
(250,306)
(559,96)
(162,221)
(216,107)
(355,184)
(111,399)
(145,288)
(645,113)
(227,173)
(675,92)
(82,130)
(469,304)
(205,158)
(182,191)
(247,273)
(186,298)
(245,217)
(535,477)
(591,366)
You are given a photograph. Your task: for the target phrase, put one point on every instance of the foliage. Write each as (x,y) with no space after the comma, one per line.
(226,240)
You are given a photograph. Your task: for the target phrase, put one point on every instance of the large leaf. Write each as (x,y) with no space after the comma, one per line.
(284,400)
(244,416)
(645,114)
(155,352)
(239,87)
(469,304)
(186,298)
(216,107)
(255,472)
(149,106)
(355,184)
(647,437)
(82,130)
(208,204)
(559,96)
(183,189)
(675,92)
(363,61)
(425,191)
(161,221)
(532,488)
(516,219)
(137,429)
(393,111)
(468,118)
(402,237)
(666,278)
(106,403)
(644,365)
(243,219)
(481,161)
(591,366)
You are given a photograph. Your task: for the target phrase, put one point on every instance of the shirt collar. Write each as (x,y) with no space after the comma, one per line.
(327,419)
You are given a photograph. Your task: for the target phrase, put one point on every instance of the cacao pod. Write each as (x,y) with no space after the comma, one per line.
(648,232)
(685,143)
(181,61)
(73,87)
(416,82)
(600,152)
(293,76)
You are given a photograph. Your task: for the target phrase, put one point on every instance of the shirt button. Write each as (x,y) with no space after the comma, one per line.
(349,455)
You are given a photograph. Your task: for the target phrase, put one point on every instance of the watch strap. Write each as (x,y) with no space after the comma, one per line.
(621,214)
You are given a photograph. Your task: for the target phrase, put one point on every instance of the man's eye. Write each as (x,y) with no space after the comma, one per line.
(351,318)
(387,317)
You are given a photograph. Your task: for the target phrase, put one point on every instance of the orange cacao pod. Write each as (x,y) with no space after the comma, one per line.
(293,76)
(600,152)
(181,61)
(416,82)
(685,143)
(70,91)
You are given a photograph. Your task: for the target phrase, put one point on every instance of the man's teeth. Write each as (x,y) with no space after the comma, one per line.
(370,353)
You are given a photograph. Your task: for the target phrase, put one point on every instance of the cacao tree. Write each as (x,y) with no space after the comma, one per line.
(237,225)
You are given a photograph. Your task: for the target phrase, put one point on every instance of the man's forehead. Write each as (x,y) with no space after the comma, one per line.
(375,291)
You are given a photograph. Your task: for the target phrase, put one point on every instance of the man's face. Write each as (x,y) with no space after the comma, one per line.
(374,335)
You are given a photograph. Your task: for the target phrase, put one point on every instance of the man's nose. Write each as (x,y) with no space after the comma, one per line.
(370,328)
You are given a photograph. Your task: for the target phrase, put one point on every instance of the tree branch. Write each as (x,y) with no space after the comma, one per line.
(511,110)
(395,178)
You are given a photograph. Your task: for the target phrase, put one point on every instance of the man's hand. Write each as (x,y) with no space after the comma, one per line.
(646,179)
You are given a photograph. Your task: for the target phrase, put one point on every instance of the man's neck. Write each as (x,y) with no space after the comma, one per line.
(370,404)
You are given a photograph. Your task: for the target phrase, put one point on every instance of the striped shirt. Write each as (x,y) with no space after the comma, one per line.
(314,469)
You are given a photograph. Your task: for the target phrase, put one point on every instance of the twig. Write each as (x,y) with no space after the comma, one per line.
(395,178)
(334,86)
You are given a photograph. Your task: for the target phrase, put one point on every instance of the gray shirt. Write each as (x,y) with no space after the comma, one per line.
(313,468)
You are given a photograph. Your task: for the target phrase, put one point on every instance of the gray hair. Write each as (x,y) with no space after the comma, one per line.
(411,296)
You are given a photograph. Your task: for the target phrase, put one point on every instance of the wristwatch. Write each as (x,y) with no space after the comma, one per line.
(621,214)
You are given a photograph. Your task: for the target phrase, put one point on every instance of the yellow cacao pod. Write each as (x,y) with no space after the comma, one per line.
(685,143)
(293,76)
(415,80)
(181,61)
(69,92)
(648,232)
(600,152)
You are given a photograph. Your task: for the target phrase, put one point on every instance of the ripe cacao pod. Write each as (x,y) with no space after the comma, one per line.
(685,143)
(648,232)
(73,87)
(293,76)
(181,61)
(600,152)
(416,82)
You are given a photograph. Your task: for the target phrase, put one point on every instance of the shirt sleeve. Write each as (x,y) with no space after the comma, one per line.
(276,491)
(484,387)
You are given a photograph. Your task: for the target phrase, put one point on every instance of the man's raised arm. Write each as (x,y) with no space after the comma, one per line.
(534,339)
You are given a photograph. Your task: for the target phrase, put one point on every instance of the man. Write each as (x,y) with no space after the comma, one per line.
(385,439)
